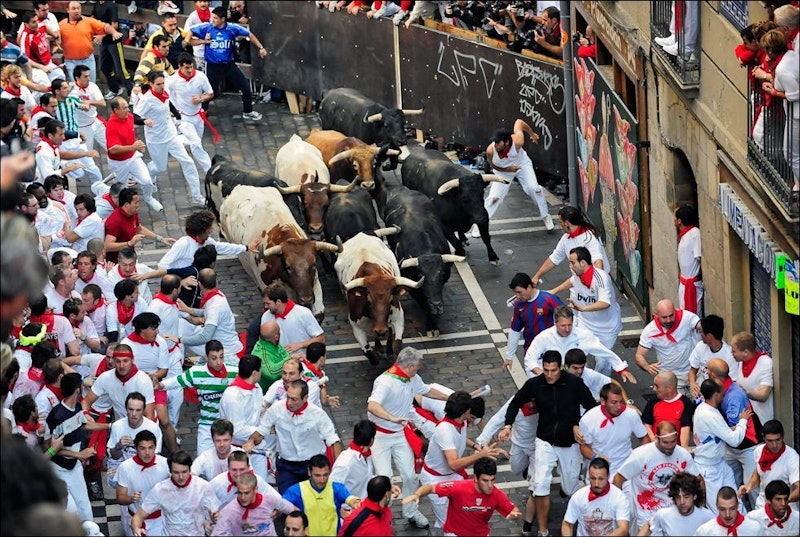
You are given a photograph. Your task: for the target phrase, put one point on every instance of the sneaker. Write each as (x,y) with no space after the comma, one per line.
(545,533)
(110,95)
(548,223)
(672,50)
(108,179)
(120,91)
(475,233)
(665,41)
(255,116)
(199,200)
(96,491)
(155,205)
(419,520)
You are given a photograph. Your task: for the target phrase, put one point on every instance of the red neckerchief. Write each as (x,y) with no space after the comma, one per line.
(313,368)
(221,374)
(46,319)
(776,521)
(232,483)
(107,197)
(119,271)
(86,280)
(12,91)
(587,276)
(129,376)
(203,14)
(31,428)
(37,110)
(299,411)
(457,424)
(528,409)
(100,301)
(767,458)
(684,231)
(668,333)
(241,383)
(158,55)
(397,373)
(36,375)
(254,504)
(289,307)
(125,313)
(364,451)
(609,417)
(209,296)
(136,338)
(46,140)
(187,79)
(504,154)
(593,496)
(579,231)
(57,392)
(102,367)
(163,96)
(165,299)
(184,485)
(144,465)
(198,241)
(736,524)
(749,365)
(75,324)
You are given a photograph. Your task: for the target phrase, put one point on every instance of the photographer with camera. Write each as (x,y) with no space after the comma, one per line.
(587,47)
(522,16)
(549,38)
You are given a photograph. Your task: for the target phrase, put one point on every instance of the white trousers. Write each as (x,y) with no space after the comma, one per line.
(151,527)
(394,447)
(522,458)
(438,503)
(136,169)
(90,167)
(76,486)
(743,464)
(569,467)
(95,135)
(204,441)
(192,128)
(159,153)
(717,476)
(527,180)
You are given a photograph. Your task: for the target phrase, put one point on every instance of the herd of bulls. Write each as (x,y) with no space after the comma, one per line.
(327,187)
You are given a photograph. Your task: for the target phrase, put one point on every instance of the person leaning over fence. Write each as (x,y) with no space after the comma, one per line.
(77,33)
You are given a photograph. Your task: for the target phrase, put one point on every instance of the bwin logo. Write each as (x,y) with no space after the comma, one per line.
(585,299)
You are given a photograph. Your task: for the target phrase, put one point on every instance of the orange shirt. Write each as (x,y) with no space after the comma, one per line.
(76,37)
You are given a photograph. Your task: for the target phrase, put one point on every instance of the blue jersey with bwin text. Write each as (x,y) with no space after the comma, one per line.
(220,50)
(533,316)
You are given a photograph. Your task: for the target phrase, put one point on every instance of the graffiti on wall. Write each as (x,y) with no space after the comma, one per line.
(539,88)
(608,163)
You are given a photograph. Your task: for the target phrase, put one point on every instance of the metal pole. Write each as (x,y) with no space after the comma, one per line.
(569,94)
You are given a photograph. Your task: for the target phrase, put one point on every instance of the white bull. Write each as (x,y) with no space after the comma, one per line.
(298,161)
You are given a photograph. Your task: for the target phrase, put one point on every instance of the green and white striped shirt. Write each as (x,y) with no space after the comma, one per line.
(209,388)
(66,113)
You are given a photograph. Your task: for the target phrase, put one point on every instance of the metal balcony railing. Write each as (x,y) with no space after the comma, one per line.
(773,145)
(675,27)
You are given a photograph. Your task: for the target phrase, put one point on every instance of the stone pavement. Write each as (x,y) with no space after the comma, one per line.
(469,351)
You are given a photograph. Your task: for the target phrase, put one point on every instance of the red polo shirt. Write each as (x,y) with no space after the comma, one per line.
(469,511)
(380,524)
(121,226)
(120,132)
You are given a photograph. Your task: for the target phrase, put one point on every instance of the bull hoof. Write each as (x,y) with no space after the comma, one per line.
(495,262)
(371,356)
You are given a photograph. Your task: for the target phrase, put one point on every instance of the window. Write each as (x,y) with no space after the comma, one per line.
(736,12)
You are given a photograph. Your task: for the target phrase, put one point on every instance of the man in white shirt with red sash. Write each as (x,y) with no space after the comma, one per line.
(128,267)
(673,333)
(775,461)
(690,290)
(136,477)
(91,125)
(165,306)
(120,314)
(389,407)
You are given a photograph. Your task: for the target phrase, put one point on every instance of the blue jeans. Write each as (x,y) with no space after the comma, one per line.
(88,62)
(217,72)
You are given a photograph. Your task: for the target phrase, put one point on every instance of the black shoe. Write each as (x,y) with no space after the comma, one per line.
(96,491)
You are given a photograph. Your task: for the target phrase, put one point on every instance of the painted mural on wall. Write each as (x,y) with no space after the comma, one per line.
(608,171)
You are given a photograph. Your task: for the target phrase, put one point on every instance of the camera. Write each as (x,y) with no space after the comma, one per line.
(453,9)
(519,8)
(576,38)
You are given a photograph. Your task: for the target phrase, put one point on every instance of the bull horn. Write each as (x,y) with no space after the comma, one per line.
(286,190)
(358,282)
(448,186)
(327,247)
(272,250)
(410,262)
(384,231)
(392,152)
(374,118)
(450,258)
(342,188)
(490,177)
(408,282)
(416,112)
(340,156)
(316,176)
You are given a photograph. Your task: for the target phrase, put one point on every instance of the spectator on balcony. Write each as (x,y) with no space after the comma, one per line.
(587,44)
(179,39)
(112,56)
(785,85)
(758,74)
(387,8)
(201,14)
(683,25)
(77,34)
(552,39)
(788,20)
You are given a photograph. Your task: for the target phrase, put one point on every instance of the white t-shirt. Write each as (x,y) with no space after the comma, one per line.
(181,253)
(594,381)
(218,312)
(163,129)
(786,469)
(183,509)
(242,408)
(599,516)
(301,436)
(277,392)
(702,354)
(711,432)
(112,318)
(761,375)
(108,384)
(144,290)
(208,465)
(673,356)
(299,325)
(607,321)
(135,478)
(790,526)
(668,521)
(588,240)
(445,437)
(612,438)
(712,528)
(121,428)
(91,93)
(650,472)
(150,357)
(56,301)
(225,490)
(99,278)
(396,397)
(181,91)
(354,471)
(61,335)
(689,253)
(89,228)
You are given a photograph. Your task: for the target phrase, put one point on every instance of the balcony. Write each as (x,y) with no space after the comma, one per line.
(674,27)
(772,147)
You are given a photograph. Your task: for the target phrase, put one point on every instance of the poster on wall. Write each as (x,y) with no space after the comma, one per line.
(609,172)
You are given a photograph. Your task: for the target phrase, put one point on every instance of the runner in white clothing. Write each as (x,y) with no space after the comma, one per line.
(224,483)
(592,296)
(162,137)
(712,328)
(188,88)
(135,478)
(127,267)
(89,272)
(172,322)
(201,14)
(775,461)
(120,314)
(299,327)
(686,515)
(353,467)
(92,126)
(291,370)
(599,508)
(88,225)
(508,159)
(690,288)
(121,381)
(121,440)
(730,520)
(754,374)
(777,517)
(673,334)
(213,461)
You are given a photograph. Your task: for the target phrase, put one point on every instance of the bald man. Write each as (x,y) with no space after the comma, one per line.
(271,352)
(673,333)
(741,458)
(670,406)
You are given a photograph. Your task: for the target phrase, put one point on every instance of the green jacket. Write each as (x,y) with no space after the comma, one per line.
(272,358)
